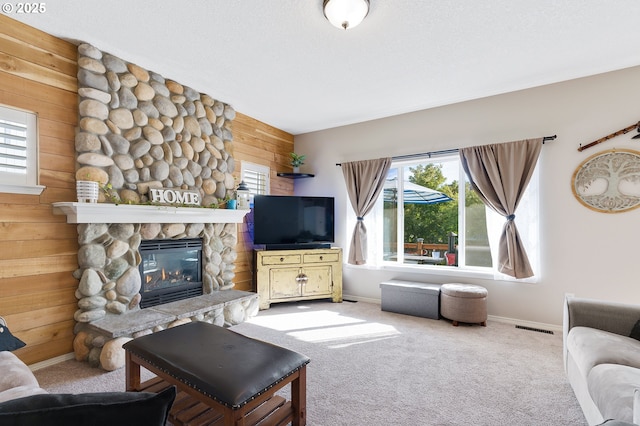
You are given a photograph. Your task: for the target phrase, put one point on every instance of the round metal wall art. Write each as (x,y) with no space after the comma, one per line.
(609,181)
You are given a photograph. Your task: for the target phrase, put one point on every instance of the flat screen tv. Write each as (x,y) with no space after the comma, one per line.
(284,222)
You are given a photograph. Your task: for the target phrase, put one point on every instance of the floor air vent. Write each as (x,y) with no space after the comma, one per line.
(539,330)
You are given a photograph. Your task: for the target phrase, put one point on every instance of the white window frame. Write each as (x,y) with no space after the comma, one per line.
(526,220)
(248,169)
(27,182)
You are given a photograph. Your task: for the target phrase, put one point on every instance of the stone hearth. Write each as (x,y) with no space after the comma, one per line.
(100,342)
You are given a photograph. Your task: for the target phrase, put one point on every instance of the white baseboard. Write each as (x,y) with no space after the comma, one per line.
(51,361)
(348,297)
(532,324)
(506,320)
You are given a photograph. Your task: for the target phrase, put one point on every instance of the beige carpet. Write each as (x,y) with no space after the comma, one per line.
(375,368)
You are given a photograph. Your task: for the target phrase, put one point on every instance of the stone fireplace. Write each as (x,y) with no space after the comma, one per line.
(110,309)
(138,133)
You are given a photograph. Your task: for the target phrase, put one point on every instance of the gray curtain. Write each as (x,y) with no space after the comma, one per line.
(365,181)
(500,173)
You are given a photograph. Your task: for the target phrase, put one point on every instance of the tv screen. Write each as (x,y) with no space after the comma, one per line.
(280,220)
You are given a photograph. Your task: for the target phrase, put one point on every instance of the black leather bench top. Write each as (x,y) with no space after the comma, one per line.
(220,363)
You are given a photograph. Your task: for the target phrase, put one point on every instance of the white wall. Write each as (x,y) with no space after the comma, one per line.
(587,253)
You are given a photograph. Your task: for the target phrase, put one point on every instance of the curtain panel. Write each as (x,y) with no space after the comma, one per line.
(364,181)
(500,173)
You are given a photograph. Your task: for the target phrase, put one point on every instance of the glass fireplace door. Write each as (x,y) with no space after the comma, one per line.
(170,270)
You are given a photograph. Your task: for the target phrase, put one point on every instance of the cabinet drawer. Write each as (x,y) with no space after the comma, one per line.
(321,257)
(286,259)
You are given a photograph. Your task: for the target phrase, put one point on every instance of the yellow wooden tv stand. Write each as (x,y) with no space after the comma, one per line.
(304,274)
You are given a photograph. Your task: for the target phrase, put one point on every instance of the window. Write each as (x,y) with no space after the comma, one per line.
(18,152)
(256,177)
(427,219)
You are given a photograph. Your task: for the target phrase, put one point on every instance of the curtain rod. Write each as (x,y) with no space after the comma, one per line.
(443,152)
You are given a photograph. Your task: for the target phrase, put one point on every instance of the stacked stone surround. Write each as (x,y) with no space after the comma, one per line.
(140,131)
(109,258)
(137,131)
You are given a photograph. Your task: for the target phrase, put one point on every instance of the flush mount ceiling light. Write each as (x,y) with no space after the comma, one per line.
(345,13)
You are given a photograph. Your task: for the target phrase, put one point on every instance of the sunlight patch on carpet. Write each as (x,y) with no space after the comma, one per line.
(302,320)
(368,331)
(325,326)
(346,345)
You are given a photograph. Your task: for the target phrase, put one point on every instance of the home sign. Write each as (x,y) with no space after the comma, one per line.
(174,196)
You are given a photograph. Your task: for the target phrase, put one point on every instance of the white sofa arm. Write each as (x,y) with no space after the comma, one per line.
(17,380)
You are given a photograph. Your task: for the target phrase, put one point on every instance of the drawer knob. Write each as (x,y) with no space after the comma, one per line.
(282,259)
(321,258)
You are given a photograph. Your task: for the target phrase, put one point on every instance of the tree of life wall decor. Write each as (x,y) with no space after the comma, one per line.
(609,181)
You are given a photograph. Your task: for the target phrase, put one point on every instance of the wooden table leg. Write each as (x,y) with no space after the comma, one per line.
(299,398)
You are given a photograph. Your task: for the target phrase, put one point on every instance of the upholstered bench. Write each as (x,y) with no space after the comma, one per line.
(464,303)
(220,374)
(410,298)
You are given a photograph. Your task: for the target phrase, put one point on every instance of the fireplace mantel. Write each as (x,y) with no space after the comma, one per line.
(125,213)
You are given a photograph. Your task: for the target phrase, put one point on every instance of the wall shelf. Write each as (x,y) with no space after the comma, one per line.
(295,175)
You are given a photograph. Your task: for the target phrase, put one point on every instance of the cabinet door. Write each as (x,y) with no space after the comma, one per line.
(318,280)
(284,283)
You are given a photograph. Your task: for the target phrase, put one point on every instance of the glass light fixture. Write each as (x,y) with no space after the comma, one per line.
(345,13)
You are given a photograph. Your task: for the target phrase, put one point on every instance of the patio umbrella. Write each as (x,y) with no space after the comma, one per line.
(413,193)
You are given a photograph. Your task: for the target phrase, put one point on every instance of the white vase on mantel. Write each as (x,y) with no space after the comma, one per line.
(296,169)
(87,191)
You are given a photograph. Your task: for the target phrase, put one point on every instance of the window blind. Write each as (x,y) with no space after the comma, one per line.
(256,181)
(13,147)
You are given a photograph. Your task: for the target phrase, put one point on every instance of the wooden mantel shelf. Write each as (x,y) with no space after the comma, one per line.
(124,213)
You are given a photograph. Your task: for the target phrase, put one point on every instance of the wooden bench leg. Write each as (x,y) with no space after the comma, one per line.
(132,373)
(233,417)
(299,398)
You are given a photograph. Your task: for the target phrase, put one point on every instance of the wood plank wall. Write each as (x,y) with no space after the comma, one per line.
(38,250)
(261,144)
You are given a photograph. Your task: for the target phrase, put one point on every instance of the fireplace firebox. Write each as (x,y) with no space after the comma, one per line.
(171,270)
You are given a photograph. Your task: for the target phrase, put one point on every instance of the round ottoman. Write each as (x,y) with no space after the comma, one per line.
(464,303)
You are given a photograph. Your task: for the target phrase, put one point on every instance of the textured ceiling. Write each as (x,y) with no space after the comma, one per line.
(281,62)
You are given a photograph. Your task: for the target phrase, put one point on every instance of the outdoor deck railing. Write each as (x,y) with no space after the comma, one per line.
(419,248)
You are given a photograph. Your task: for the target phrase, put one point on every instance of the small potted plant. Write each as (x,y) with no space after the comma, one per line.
(297,161)
(231,202)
